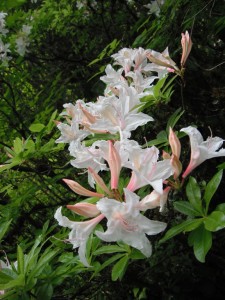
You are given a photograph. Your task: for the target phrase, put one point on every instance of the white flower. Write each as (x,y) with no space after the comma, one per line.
(126,223)
(201,150)
(21,45)
(80,232)
(70,133)
(86,157)
(154,7)
(116,116)
(3,31)
(4,49)
(147,169)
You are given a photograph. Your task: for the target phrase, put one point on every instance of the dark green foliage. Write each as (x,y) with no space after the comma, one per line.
(69,49)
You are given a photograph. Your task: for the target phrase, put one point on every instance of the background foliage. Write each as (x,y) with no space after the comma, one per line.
(70,45)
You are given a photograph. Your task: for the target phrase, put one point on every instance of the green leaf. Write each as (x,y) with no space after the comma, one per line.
(211,188)
(109,249)
(201,240)
(187,225)
(194,194)
(17,145)
(215,221)
(36,127)
(107,263)
(9,4)
(19,281)
(119,268)
(174,119)
(157,88)
(186,208)
(45,292)
(3,228)
(136,254)
(20,259)
(221,207)
(41,264)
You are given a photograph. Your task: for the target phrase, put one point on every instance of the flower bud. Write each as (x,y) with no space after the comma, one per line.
(84,209)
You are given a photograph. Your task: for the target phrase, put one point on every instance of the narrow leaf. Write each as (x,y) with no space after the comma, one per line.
(194,194)
(119,268)
(109,249)
(201,239)
(3,228)
(20,259)
(186,208)
(211,188)
(187,225)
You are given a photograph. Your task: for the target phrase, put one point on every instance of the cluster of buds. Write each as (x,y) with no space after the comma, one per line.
(116,115)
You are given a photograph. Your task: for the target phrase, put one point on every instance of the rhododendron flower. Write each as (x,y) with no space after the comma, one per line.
(154,199)
(124,58)
(80,232)
(70,133)
(201,150)
(116,116)
(86,157)
(147,169)
(126,223)
(112,76)
(161,59)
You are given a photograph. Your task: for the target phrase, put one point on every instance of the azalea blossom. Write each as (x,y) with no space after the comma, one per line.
(161,59)
(154,199)
(126,223)
(86,157)
(201,150)
(80,232)
(146,169)
(116,116)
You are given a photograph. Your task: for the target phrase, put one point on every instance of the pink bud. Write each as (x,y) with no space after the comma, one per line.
(177,166)
(80,190)
(84,209)
(186,44)
(114,162)
(100,182)
(174,143)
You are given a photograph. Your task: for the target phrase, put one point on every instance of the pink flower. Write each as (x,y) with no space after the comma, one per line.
(201,150)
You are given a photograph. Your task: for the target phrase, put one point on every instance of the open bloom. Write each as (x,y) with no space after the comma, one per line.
(162,59)
(201,150)
(147,169)
(126,223)
(155,199)
(80,232)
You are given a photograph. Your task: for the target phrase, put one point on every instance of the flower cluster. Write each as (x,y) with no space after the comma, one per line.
(116,114)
